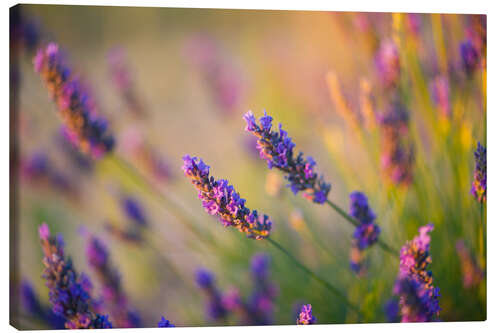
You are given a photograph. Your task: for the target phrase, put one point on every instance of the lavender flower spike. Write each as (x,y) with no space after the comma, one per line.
(114,297)
(305,316)
(479,184)
(219,198)
(86,130)
(215,307)
(418,298)
(366,233)
(165,323)
(277,149)
(68,291)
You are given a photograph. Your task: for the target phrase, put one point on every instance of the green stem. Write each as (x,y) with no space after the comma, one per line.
(313,275)
(355,223)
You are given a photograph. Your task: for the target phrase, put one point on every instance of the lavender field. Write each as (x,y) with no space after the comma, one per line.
(193,167)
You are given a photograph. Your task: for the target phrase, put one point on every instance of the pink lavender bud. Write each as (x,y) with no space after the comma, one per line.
(478,189)
(220,199)
(277,149)
(387,63)
(397,156)
(305,316)
(440,89)
(165,323)
(68,291)
(472,274)
(86,130)
(114,297)
(419,299)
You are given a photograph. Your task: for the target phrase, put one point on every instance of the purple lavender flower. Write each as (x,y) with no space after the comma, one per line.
(34,307)
(417,302)
(134,210)
(215,308)
(86,129)
(277,149)
(305,316)
(366,233)
(470,57)
(114,297)
(397,150)
(478,189)
(39,170)
(387,63)
(165,323)
(261,300)
(68,291)
(219,198)
(419,299)
(391,309)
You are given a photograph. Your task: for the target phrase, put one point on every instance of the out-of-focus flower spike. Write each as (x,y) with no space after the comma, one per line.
(277,149)
(366,233)
(387,64)
(221,199)
(397,157)
(68,291)
(114,297)
(478,189)
(215,309)
(32,304)
(86,129)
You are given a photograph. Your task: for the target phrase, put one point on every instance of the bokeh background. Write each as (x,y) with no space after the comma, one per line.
(194,73)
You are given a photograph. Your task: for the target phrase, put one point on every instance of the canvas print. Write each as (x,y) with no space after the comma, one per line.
(176,167)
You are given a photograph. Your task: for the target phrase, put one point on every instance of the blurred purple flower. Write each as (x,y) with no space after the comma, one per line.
(219,198)
(114,297)
(68,291)
(85,128)
(214,308)
(366,233)
(469,57)
(397,156)
(34,307)
(387,63)
(478,189)
(165,323)
(277,149)
(134,210)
